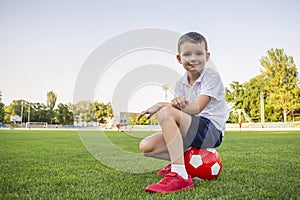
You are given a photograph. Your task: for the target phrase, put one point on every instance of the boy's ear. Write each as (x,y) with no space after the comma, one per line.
(207,56)
(179,59)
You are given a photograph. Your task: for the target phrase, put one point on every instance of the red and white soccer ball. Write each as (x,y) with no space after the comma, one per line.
(203,163)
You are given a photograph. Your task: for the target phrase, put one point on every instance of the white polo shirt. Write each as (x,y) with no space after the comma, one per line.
(209,83)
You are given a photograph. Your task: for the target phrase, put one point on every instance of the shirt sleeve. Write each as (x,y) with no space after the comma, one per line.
(212,85)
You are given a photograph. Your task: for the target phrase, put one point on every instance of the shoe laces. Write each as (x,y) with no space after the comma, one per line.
(168,178)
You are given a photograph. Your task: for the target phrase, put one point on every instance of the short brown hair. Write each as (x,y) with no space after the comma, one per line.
(193,37)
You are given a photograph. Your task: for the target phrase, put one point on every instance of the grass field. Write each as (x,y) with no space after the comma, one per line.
(56,165)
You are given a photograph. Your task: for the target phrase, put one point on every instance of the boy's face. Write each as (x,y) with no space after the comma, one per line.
(193,56)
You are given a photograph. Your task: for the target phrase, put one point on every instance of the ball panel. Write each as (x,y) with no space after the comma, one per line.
(196,161)
(211,150)
(215,169)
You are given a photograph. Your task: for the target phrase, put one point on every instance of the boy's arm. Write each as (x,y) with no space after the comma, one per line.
(152,110)
(195,107)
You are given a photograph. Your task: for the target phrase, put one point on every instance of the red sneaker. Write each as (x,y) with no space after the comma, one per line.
(164,171)
(171,183)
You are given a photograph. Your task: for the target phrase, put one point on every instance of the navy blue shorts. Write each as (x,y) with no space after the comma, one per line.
(202,134)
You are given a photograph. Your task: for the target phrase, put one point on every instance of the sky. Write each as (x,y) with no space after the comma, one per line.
(45,44)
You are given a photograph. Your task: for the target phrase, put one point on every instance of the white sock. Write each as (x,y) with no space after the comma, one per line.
(180,170)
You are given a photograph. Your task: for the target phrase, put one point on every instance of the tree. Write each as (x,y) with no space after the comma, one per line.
(13,109)
(251,99)
(109,110)
(63,115)
(102,112)
(80,111)
(235,95)
(2,113)
(142,121)
(39,113)
(8,110)
(281,80)
(86,111)
(51,101)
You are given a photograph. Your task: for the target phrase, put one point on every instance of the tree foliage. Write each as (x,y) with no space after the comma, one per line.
(51,101)
(133,120)
(235,94)
(2,113)
(143,121)
(92,112)
(279,83)
(102,112)
(63,114)
(281,78)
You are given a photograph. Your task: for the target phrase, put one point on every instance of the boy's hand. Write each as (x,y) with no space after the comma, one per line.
(179,102)
(150,111)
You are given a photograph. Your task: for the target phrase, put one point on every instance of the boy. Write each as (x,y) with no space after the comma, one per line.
(195,117)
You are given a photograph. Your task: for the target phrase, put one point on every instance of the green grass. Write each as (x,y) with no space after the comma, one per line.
(56,165)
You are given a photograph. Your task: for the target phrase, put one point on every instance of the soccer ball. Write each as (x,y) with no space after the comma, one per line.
(203,163)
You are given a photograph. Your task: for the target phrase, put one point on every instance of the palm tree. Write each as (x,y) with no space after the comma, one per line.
(51,100)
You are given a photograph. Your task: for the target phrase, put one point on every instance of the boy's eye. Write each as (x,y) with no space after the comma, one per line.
(199,53)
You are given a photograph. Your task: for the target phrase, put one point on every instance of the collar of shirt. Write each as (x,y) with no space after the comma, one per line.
(186,81)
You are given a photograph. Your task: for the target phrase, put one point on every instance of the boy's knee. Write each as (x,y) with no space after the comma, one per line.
(145,146)
(165,113)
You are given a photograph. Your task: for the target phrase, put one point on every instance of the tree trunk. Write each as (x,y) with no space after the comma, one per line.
(284,115)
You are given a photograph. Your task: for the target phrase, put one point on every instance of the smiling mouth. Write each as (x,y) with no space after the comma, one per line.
(193,65)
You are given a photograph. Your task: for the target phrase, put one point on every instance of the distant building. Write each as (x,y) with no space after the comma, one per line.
(125,118)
